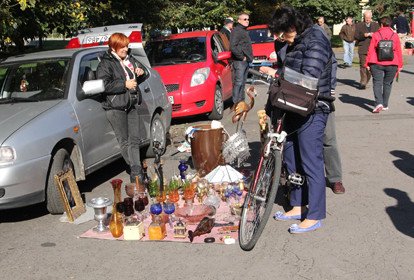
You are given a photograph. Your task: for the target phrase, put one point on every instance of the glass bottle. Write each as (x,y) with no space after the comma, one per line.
(116,225)
(155,229)
(182,167)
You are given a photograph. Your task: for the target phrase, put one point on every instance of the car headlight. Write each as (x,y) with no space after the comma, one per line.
(273,55)
(7,155)
(200,76)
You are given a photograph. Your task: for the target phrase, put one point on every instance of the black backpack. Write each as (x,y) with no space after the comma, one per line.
(385,50)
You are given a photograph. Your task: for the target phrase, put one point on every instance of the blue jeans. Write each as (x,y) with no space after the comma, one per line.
(348,52)
(303,153)
(382,79)
(127,127)
(239,79)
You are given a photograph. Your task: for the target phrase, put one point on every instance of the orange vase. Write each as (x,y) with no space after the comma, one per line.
(174,196)
(116,225)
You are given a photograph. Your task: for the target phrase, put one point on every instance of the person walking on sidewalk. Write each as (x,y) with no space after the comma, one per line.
(363,34)
(242,53)
(321,22)
(383,72)
(347,34)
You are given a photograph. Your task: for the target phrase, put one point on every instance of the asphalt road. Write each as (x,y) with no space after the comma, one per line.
(368,232)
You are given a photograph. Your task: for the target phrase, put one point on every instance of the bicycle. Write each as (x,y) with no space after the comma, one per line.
(262,192)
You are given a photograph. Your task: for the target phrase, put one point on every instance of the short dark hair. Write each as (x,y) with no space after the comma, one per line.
(385,21)
(287,18)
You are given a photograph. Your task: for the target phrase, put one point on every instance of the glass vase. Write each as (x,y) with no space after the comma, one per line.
(116,225)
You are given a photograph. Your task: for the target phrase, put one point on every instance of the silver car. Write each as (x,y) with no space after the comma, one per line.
(48,123)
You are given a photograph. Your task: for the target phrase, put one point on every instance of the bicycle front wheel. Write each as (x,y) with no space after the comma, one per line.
(259,201)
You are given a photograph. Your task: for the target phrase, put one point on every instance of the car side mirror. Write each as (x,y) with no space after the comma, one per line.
(93,87)
(223,56)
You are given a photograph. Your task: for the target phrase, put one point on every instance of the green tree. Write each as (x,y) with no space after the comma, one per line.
(8,22)
(381,8)
(332,11)
(262,10)
(199,13)
(27,19)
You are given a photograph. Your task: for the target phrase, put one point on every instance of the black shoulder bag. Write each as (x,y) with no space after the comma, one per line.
(294,92)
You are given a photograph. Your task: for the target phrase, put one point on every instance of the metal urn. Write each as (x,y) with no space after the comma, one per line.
(99,205)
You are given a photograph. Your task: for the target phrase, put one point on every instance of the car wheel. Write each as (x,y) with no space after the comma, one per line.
(218,106)
(158,133)
(60,162)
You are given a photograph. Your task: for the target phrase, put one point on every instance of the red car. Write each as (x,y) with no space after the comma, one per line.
(263,46)
(195,69)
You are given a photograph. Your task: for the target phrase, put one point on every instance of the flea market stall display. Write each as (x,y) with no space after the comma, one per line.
(201,207)
(204,206)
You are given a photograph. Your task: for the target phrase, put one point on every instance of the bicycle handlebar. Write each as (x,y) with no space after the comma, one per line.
(263,76)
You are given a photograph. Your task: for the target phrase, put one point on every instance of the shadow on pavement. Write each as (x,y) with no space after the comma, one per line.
(23,214)
(402,214)
(408,72)
(348,82)
(362,102)
(199,118)
(405,162)
(410,100)
(102,175)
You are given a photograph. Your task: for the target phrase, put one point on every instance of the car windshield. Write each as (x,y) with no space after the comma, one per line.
(177,51)
(33,81)
(260,36)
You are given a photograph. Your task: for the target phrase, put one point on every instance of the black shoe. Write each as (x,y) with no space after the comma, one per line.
(362,87)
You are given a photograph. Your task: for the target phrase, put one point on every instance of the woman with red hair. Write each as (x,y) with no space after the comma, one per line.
(119,72)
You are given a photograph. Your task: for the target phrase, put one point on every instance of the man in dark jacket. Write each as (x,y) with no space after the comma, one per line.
(401,24)
(227,27)
(242,53)
(363,34)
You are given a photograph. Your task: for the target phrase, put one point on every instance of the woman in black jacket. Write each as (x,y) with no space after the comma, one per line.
(309,52)
(119,71)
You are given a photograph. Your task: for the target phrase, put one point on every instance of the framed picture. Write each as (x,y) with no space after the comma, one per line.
(69,192)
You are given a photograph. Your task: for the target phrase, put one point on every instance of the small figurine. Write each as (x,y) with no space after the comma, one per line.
(23,85)
(262,119)
(179,229)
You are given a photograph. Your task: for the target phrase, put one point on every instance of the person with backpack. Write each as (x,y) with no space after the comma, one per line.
(384,59)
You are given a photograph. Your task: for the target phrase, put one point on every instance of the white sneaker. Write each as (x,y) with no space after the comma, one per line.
(378,109)
(385,108)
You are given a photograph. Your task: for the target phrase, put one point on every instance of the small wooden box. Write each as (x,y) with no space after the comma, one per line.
(134,231)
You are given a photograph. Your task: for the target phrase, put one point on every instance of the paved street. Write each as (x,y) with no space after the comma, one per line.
(368,232)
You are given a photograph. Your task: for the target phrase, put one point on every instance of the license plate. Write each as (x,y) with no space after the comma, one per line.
(97,39)
(171,99)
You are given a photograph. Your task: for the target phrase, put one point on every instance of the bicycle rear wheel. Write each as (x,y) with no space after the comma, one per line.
(259,201)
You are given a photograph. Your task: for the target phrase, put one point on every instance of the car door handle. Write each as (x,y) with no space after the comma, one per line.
(147,89)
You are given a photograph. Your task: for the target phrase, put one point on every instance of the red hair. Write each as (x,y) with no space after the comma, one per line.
(118,41)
